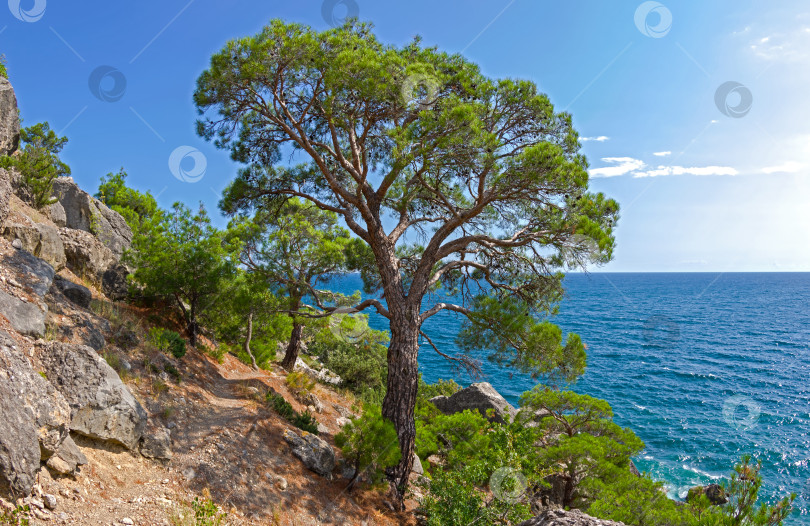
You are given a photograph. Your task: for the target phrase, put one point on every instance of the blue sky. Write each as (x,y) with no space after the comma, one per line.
(696,112)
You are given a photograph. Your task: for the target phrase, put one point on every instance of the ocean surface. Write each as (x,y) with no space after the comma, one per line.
(704,367)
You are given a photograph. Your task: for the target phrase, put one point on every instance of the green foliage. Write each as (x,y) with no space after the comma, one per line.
(285,410)
(300,383)
(206,513)
(281,406)
(38,162)
(181,257)
(306,422)
(355,352)
(167,341)
(454,498)
(742,490)
(369,443)
(16,517)
(136,207)
(3,70)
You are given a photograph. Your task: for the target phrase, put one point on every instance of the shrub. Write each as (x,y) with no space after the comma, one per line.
(370,444)
(300,383)
(167,341)
(304,421)
(38,162)
(3,70)
(16,517)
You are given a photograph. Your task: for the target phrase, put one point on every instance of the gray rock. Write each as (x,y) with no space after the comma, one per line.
(633,469)
(9,119)
(480,396)
(78,294)
(25,318)
(114,283)
(41,240)
(157,443)
(558,517)
(316,454)
(714,492)
(5,195)
(56,213)
(85,212)
(86,256)
(49,501)
(102,407)
(67,458)
(17,244)
(34,419)
(31,271)
(417,465)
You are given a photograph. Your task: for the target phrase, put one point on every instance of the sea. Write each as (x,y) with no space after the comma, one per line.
(703,367)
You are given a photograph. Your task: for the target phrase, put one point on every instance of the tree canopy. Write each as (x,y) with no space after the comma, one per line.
(447,178)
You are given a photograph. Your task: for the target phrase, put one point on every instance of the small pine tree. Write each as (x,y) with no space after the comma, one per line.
(38,162)
(370,444)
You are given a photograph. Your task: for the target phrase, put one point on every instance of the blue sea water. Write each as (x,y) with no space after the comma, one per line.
(703,367)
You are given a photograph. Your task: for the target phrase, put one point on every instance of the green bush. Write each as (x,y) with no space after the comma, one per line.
(369,443)
(360,362)
(167,341)
(300,383)
(38,162)
(16,517)
(304,421)
(3,70)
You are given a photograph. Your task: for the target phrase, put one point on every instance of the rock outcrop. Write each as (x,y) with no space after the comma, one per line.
(31,278)
(5,195)
(315,453)
(101,405)
(34,418)
(481,397)
(67,458)
(558,517)
(41,240)
(85,212)
(9,118)
(714,492)
(86,256)
(78,294)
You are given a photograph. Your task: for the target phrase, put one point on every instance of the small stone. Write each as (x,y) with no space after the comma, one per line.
(17,244)
(127,521)
(281,482)
(165,481)
(49,500)
(37,503)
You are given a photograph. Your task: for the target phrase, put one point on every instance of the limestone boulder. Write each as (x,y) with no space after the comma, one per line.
(85,212)
(479,396)
(101,405)
(41,240)
(314,452)
(85,255)
(559,517)
(34,416)
(5,195)
(78,294)
(9,118)
(67,459)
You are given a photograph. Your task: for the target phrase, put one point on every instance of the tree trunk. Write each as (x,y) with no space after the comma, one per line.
(400,397)
(292,349)
(248,337)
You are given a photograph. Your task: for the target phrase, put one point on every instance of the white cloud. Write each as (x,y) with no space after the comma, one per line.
(683,170)
(789,167)
(662,154)
(601,138)
(622,166)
